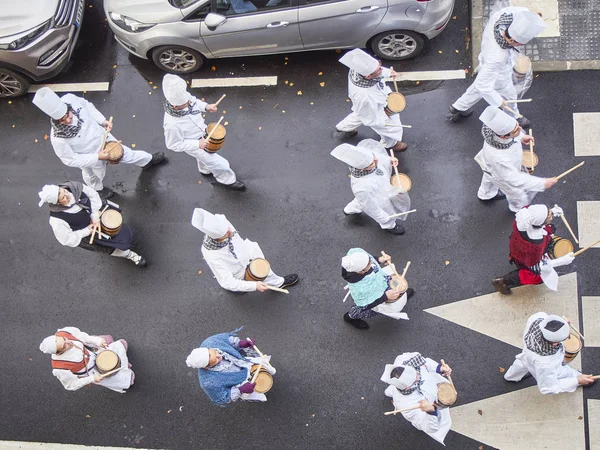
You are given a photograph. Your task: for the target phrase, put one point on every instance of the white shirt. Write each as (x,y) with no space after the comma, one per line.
(82,150)
(183,133)
(63,232)
(369,103)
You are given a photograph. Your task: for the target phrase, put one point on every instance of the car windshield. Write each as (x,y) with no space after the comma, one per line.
(183,3)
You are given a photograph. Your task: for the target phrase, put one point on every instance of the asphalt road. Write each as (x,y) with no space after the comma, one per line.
(327,392)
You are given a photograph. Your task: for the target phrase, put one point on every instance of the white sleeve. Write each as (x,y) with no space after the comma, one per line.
(95,200)
(70,381)
(94,341)
(227,281)
(96,115)
(369,111)
(431,365)
(371,208)
(175,140)
(70,158)
(65,235)
(421,420)
(548,380)
(518,179)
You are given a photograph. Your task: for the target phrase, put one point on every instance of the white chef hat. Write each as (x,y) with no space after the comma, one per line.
(525,26)
(48,194)
(353,156)
(48,345)
(50,103)
(356,261)
(500,122)
(554,328)
(198,359)
(175,90)
(215,225)
(406,380)
(360,61)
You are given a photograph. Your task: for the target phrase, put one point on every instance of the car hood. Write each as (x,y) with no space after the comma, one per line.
(17,17)
(145,11)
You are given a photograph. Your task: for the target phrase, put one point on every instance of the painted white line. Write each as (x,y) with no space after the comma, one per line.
(234,82)
(429,75)
(72,87)
(19,445)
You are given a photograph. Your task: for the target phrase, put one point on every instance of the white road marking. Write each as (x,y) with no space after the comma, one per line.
(524,420)
(71,87)
(588,222)
(590,307)
(594,429)
(234,82)
(429,75)
(585,126)
(20,445)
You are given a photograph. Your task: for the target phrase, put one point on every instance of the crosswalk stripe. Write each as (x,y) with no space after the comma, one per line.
(21,445)
(72,87)
(234,82)
(430,75)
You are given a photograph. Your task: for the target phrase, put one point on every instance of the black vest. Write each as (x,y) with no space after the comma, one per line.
(78,220)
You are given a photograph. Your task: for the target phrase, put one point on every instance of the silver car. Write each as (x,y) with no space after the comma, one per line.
(179,35)
(37,38)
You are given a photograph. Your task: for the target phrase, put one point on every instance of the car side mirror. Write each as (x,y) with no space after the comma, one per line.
(213,20)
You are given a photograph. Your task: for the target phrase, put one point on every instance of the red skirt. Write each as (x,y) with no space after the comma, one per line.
(528,277)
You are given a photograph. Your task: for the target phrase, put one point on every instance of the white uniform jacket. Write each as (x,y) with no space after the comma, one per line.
(183,133)
(63,232)
(436,426)
(551,375)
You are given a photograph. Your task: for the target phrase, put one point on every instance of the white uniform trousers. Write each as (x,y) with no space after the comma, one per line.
(93,176)
(213,163)
(518,370)
(354,208)
(472,96)
(389,135)
(517,200)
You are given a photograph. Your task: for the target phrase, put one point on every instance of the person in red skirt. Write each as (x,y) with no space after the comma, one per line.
(528,246)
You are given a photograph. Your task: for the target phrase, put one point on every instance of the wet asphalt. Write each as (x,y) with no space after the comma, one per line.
(327,392)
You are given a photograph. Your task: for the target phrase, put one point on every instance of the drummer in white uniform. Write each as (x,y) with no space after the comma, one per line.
(184,129)
(228,255)
(543,356)
(414,380)
(369,95)
(74,356)
(501,160)
(371,171)
(77,133)
(506,30)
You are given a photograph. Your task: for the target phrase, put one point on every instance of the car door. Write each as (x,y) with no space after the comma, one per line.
(254,27)
(338,23)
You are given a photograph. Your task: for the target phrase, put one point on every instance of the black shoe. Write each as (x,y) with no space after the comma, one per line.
(106,193)
(289,280)
(398,229)
(157,158)
(499,196)
(524,122)
(237,186)
(357,323)
(346,134)
(137,259)
(410,292)
(501,286)
(455,114)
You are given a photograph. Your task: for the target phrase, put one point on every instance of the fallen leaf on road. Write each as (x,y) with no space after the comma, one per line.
(286,58)
(150,93)
(312,103)
(362,398)
(447,262)
(169,411)
(213,68)
(13,126)
(240,107)
(291,84)
(347,100)
(180,408)
(454,17)
(313,415)
(580,418)
(199,272)
(199,181)
(115,66)
(338,51)
(322,83)
(133,115)
(10,102)
(285,63)
(502,370)
(481,447)
(150,82)
(30,359)
(466,70)
(226,123)
(456,51)
(320,73)
(283,111)
(132,145)
(154,87)
(299,92)
(46,137)
(88,416)
(35,140)
(439,51)
(259,128)
(480,412)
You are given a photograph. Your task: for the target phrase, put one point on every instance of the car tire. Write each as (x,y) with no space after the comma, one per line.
(12,84)
(397,45)
(176,59)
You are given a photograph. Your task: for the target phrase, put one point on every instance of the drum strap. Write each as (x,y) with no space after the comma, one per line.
(75,367)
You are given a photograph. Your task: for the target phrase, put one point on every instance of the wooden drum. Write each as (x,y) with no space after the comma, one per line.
(264,381)
(115,152)
(446,395)
(559,247)
(572,348)
(398,283)
(111,222)
(527,160)
(217,138)
(396,102)
(402,181)
(257,270)
(106,361)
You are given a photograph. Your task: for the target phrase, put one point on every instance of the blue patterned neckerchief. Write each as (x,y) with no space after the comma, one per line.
(359,173)
(212,244)
(415,362)
(67,131)
(502,24)
(170,110)
(494,140)
(360,81)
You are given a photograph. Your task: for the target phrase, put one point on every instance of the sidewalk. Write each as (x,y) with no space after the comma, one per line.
(570,42)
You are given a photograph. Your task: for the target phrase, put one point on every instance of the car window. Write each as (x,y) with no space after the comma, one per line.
(237,7)
(200,13)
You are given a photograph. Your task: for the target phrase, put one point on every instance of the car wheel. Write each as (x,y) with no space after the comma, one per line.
(178,60)
(12,84)
(398,45)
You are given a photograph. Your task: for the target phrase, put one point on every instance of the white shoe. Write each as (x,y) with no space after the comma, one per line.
(138,260)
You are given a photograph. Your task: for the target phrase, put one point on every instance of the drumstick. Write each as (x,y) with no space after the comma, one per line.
(97,227)
(531,149)
(564,219)
(586,248)
(213,130)
(449,378)
(402,213)
(574,329)
(392,156)
(509,109)
(394,79)
(106,134)
(405,269)
(100,224)
(263,357)
(273,288)
(221,99)
(596,377)
(256,373)
(570,170)
(523,100)
(93,233)
(396,411)
(397,125)
(104,375)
